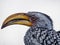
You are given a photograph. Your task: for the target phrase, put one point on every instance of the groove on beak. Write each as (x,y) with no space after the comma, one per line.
(18,18)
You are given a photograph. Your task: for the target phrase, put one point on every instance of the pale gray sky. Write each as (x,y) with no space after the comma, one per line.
(7,7)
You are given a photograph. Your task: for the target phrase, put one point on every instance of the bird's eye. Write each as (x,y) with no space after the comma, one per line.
(34,18)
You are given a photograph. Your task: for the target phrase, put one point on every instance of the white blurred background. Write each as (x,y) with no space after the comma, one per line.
(13,35)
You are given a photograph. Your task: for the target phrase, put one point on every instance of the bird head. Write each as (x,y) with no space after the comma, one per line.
(42,20)
(29,19)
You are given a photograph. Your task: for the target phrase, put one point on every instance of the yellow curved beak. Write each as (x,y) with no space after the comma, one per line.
(18,18)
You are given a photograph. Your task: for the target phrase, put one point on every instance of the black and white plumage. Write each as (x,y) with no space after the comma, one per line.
(41,30)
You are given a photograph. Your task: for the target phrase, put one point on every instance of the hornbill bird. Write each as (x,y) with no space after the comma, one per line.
(41,30)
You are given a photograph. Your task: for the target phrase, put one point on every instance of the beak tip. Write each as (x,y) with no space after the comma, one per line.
(2,26)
